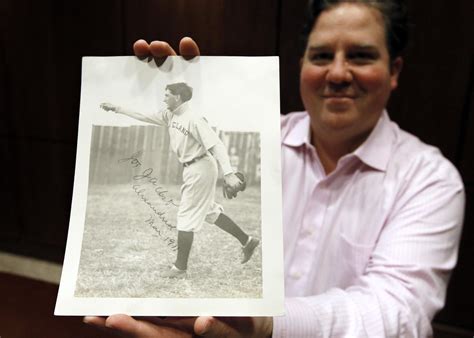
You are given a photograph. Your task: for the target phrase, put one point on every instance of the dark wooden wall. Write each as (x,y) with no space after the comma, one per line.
(42,42)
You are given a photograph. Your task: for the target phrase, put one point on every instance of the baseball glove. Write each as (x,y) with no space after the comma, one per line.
(230,192)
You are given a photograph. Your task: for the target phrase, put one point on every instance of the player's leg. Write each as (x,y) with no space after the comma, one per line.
(179,268)
(199,180)
(184,227)
(185,241)
(248,243)
(225,223)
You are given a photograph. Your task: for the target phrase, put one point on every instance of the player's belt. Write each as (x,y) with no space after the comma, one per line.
(187,164)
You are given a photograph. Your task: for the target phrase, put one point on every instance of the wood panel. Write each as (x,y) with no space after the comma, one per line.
(46,178)
(220,27)
(290,51)
(433,86)
(466,145)
(42,62)
(11,226)
(27,308)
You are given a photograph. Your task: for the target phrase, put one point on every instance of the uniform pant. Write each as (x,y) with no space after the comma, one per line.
(197,195)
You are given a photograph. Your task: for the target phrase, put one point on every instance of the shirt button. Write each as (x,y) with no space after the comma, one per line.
(296,274)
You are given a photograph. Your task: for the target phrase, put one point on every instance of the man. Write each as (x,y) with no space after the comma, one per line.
(371,215)
(198,148)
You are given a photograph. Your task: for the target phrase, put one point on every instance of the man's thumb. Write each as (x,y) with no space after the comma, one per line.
(211,327)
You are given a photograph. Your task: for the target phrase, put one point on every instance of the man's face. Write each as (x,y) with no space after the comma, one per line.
(171,100)
(346,76)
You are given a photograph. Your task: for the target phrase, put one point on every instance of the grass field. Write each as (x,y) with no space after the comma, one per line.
(123,255)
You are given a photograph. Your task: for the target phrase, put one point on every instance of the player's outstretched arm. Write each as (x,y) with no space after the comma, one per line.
(109,107)
(130,113)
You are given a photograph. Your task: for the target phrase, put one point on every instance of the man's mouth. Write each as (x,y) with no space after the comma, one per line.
(338,96)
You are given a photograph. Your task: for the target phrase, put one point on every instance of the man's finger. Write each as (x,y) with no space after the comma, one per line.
(141,328)
(161,49)
(97,321)
(188,48)
(141,48)
(212,327)
(181,323)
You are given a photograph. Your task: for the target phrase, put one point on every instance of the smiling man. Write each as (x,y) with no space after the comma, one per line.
(347,75)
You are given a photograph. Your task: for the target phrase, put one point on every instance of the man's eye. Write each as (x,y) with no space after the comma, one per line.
(320,57)
(361,57)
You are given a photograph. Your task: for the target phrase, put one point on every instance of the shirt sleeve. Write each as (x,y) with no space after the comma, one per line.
(203,133)
(220,154)
(405,281)
(160,118)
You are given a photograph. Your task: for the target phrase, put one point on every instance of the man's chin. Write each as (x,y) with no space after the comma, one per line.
(338,105)
(338,119)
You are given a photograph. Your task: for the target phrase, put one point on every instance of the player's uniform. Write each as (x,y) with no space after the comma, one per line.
(191,137)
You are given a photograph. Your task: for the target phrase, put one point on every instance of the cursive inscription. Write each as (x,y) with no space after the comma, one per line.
(168,240)
(160,214)
(146,176)
(141,186)
(133,160)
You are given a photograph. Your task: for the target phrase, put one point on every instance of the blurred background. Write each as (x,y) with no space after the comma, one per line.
(41,45)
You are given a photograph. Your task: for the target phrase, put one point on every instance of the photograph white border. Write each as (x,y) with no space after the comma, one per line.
(258,110)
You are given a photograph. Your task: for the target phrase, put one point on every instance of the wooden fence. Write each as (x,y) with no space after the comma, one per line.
(119,153)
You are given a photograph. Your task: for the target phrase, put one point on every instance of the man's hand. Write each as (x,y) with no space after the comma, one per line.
(159,49)
(109,107)
(232,180)
(176,327)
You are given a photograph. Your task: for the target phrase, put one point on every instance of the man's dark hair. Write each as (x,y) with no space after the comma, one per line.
(181,89)
(394,13)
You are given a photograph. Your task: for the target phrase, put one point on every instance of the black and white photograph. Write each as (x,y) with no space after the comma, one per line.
(177,189)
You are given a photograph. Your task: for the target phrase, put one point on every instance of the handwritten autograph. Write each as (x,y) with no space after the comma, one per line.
(140,190)
(161,214)
(169,241)
(146,175)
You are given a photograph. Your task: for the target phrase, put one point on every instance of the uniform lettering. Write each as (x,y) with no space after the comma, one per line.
(180,128)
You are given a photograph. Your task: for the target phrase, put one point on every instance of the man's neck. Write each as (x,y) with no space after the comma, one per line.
(178,109)
(331,149)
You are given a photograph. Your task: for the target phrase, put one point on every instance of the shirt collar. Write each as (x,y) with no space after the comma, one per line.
(376,149)
(180,109)
(374,152)
(299,134)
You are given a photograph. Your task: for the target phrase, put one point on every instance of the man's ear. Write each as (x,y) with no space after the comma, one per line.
(395,70)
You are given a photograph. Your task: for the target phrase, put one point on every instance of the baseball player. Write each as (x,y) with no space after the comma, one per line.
(199,149)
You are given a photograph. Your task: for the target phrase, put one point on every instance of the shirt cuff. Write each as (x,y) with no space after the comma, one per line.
(119,110)
(220,154)
(297,321)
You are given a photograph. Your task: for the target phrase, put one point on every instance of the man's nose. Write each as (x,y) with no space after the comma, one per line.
(339,71)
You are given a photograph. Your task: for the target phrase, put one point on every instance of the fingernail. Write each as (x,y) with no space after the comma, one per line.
(206,327)
(87,319)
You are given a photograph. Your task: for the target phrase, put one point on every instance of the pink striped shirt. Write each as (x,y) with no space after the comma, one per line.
(369,247)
